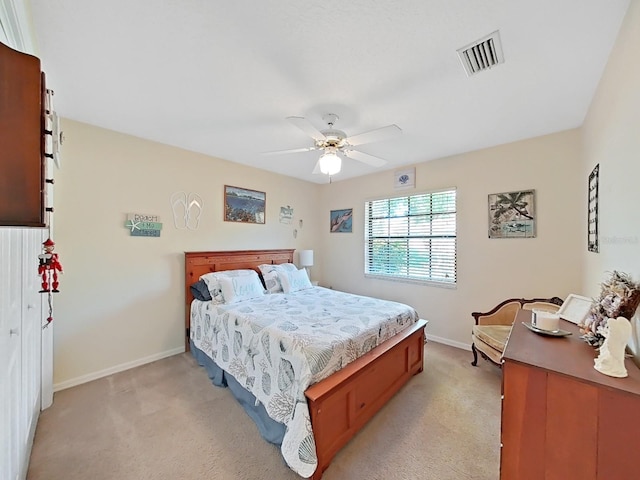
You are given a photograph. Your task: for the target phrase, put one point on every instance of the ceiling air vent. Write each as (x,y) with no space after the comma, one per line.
(482,54)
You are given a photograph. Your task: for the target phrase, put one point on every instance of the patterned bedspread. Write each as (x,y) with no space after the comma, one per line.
(280,344)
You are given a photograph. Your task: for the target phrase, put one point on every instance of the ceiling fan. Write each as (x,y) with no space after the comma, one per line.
(333,143)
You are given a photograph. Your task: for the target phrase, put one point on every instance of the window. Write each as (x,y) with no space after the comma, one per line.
(412,238)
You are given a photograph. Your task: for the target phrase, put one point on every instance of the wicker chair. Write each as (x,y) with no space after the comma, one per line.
(491,330)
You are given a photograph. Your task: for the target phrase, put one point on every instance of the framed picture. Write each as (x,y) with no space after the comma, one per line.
(512,214)
(575,308)
(244,205)
(341,221)
(592,211)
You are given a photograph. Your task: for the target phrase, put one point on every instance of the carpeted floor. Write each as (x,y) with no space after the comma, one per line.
(166,421)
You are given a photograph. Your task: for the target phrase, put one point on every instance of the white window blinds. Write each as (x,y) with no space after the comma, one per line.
(412,237)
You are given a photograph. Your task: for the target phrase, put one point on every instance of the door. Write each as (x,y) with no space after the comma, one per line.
(31,337)
(10,331)
(20,347)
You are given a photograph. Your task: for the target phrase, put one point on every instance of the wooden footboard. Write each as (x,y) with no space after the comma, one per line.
(342,404)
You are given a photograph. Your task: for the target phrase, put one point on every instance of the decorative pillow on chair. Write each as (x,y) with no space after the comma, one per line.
(213,281)
(295,281)
(271,275)
(239,289)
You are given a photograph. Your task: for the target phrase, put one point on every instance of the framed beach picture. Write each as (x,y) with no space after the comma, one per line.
(341,221)
(244,205)
(512,214)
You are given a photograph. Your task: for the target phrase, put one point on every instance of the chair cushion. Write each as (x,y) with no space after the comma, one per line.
(493,335)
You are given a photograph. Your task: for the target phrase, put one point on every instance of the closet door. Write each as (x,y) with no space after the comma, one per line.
(31,336)
(5,315)
(11,426)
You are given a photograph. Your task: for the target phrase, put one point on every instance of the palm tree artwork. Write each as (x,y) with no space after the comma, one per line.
(512,215)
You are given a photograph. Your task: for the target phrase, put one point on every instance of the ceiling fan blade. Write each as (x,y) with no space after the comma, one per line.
(365,158)
(306,126)
(294,150)
(377,135)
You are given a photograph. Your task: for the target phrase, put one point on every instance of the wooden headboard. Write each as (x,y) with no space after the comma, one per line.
(199,263)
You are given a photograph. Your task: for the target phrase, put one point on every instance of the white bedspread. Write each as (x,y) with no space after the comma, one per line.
(280,344)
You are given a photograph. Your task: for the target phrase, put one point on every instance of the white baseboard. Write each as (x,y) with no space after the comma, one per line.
(451,343)
(118,368)
(159,356)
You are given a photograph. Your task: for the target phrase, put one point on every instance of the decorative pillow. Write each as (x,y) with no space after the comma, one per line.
(294,281)
(271,275)
(200,291)
(271,282)
(239,289)
(213,282)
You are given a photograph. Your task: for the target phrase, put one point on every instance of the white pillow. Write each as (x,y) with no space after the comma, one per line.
(241,288)
(294,281)
(213,281)
(271,275)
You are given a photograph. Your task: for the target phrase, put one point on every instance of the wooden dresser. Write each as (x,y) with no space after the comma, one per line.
(561,418)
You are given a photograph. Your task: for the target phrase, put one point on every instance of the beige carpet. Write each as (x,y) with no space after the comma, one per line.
(166,421)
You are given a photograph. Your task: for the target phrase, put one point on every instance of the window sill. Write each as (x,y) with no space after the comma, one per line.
(429,283)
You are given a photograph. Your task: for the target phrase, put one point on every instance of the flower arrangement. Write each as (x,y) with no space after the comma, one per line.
(619,297)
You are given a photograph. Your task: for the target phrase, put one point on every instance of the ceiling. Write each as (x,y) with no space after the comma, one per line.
(221,77)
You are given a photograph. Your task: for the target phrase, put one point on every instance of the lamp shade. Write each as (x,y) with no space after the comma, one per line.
(306,258)
(330,163)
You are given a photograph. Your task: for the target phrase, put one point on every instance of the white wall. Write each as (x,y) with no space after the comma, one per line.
(121,300)
(489,270)
(611,138)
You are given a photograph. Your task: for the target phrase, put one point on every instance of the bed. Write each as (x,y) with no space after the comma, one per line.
(337,406)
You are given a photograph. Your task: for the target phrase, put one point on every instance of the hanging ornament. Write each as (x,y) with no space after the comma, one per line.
(48,269)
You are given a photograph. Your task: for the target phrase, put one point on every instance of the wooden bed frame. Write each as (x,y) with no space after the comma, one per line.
(341,404)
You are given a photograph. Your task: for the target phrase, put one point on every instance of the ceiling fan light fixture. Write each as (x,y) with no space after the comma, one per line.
(330,163)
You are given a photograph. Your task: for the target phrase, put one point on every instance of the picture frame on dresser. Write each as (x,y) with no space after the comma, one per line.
(575,308)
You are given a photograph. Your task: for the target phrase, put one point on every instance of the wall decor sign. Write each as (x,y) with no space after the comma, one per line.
(592,212)
(404,178)
(143,225)
(512,214)
(244,205)
(341,221)
(286,215)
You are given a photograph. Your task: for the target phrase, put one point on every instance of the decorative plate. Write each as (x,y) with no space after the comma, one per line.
(550,333)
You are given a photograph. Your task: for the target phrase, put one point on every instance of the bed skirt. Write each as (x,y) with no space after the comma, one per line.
(271,431)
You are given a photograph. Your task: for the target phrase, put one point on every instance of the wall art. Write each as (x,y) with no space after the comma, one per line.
(592,211)
(512,214)
(143,225)
(341,221)
(404,178)
(244,205)
(286,215)
(186,209)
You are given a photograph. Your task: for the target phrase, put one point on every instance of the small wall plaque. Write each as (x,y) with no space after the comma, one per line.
(405,178)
